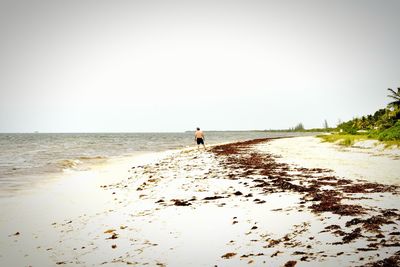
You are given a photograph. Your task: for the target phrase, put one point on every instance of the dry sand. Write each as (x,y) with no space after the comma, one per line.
(365,160)
(234,205)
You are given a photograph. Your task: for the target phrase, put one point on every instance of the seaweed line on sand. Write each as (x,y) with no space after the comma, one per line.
(322,191)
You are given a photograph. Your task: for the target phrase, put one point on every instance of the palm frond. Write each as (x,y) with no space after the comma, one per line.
(394,97)
(393,92)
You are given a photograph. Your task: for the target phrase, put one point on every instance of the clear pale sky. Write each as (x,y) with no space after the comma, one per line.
(110,66)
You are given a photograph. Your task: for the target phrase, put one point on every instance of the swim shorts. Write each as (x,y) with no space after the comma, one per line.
(200,141)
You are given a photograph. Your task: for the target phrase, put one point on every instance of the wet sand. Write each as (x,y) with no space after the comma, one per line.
(232,205)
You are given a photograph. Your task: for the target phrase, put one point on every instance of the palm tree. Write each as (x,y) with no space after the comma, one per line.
(395,96)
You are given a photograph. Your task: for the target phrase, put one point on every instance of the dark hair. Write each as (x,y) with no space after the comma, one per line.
(198,129)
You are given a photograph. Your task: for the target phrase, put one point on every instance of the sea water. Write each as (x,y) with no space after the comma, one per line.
(26,158)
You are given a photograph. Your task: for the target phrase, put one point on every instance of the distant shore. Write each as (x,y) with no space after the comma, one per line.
(282,202)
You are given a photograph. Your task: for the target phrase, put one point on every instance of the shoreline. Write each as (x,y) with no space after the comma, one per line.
(231,205)
(27,184)
(40,181)
(17,178)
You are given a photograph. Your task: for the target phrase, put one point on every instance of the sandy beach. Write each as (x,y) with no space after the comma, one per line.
(264,202)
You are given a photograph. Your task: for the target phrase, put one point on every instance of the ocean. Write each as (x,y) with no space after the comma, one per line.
(27,157)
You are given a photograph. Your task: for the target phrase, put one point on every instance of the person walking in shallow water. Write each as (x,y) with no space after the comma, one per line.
(199,138)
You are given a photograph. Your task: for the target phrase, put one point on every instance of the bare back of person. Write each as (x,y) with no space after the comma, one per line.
(199,138)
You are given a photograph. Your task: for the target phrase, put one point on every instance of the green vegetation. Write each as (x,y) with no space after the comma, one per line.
(343,139)
(312,130)
(390,134)
(350,139)
(395,96)
(383,125)
(299,127)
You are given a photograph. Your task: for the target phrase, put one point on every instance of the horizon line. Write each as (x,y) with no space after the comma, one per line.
(185,131)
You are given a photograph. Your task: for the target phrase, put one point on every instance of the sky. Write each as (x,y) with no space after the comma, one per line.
(166,66)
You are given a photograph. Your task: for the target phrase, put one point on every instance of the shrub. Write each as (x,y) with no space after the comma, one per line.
(347,141)
(348,127)
(390,134)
